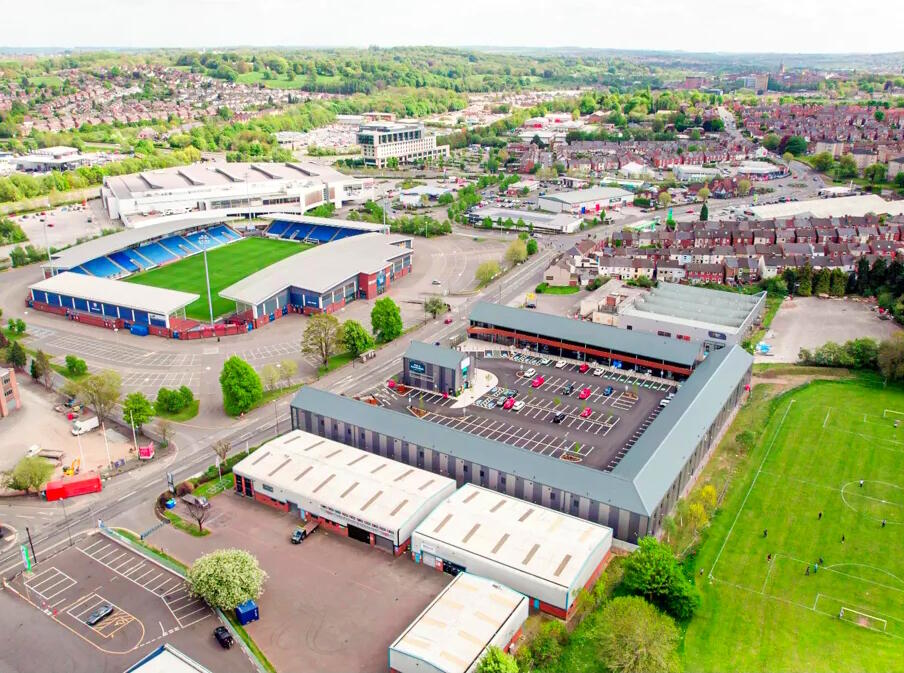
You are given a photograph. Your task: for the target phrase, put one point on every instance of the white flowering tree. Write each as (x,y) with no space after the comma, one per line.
(226,578)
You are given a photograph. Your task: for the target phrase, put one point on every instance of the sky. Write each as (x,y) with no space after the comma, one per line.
(800,26)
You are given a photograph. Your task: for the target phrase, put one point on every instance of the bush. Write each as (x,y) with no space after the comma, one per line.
(547,645)
(856,354)
(162,499)
(654,573)
(184,488)
(173,401)
(75,365)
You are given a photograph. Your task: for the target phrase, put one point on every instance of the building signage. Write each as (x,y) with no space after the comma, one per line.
(465,364)
(416,367)
(717,335)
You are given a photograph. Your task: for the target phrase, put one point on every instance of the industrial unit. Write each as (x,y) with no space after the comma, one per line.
(564,337)
(91,299)
(716,319)
(586,201)
(430,367)
(454,632)
(544,554)
(329,277)
(230,189)
(560,223)
(350,492)
(632,498)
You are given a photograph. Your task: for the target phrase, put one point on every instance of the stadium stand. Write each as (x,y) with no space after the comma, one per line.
(156,253)
(278,228)
(124,261)
(103,267)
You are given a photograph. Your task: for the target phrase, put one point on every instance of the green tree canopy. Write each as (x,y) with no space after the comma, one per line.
(29,474)
(497,661)
(226,578)
(386,320)
(486,272)
(532,246)
(100,391)
(322,337)
(634,637)
(137,409)
(654,573)
(16,355)
(516,252)
(356,339)
(241,386)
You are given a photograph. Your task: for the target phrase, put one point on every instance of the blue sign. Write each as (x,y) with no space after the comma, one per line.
(717,335)
(416,367)
(617,364)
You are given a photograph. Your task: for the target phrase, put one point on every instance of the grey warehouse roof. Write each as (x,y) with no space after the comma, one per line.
(325,221)
(590,194)
(105,290)
(444,357)
(715,307)
(319,269)
(598,336)
(105,245)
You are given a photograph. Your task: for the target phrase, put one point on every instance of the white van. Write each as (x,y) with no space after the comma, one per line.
(81,426)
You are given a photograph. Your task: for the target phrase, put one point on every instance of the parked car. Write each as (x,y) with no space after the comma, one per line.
(559,417)
(436,282)
(509,403)
(568,389)
(664,403)
(518,406)
(561,364)
(587,411)
(583,368)
(584,394)
(529,372)
(200,501)
(598,371)
(99,614)
(537,382)
(224,638)
(608,391)
(545,361)
(448,320)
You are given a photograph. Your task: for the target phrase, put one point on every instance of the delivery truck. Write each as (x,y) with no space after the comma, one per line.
(82,425)
(71,487)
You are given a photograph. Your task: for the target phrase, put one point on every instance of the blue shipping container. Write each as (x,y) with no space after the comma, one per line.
(247,612)
(139,330)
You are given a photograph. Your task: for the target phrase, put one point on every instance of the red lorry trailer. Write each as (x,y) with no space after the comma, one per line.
(68,488)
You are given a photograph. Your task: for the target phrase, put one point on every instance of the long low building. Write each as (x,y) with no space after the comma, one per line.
(327,278)
(549,223)
(231,188)
(454,632)
(632,498)
(544,554)
(586,201)
(351,492)
(854,206)
(712,317)
(581,340)
(91,299)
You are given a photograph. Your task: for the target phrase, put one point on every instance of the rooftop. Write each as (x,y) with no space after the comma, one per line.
(838,207)
(361,485)
(452,633)
(695,306)
(543,543)
(321,268)
(438,355)
(167,659)
(104,290)
(589,194)
(326,222)
(537,218)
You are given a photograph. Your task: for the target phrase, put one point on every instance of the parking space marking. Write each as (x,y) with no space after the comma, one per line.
(53,582)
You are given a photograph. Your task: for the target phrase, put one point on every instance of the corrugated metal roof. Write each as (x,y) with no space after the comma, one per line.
(664,447)
(444,357)
(104,290)
(589,194)
(598,336)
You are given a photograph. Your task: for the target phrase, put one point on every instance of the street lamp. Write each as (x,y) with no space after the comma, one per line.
(204,239)
(47,244)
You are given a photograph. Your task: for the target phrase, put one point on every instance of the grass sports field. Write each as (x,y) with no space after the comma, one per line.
(770,615)
(228,264)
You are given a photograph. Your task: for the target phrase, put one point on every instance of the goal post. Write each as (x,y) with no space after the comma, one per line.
(862,619)
(886,413)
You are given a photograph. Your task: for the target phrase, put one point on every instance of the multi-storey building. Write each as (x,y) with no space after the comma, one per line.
(9,392)
(409,143)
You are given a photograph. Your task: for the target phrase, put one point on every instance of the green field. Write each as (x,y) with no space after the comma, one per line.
(228,264)
(762,615)
(282,83)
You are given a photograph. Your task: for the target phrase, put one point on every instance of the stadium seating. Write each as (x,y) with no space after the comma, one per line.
(138,260)
(102,267)
(173,244)
(187,245)
(345,233)
(225,233)
(278,228)
(212,243)
(322,234)
(297,232)
(123,260)
(156,253)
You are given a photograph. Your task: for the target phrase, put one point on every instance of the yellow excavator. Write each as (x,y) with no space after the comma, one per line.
(72,469)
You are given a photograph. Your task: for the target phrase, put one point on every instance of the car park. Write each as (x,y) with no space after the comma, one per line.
(518,406)
(509,403)
(491,404)
(583,368)
(537,382)
(99,614)
(584,394)
(587,411)
(502,399)
(224,638)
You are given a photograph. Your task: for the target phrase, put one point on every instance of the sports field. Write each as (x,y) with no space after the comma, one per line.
(762,614)
(228,264)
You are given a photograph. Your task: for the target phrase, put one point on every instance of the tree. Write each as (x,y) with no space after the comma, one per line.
(743,187)
(137,409)
(486,272)
(654,573)
(703,194)
(45,371)
(99,391)
(822,161)
(704,213)
(199,513)
(532,246)
(356,339)
(386,320)
(771,141)
(664,199)
(891,358)
(241,386)
(875,173)
(516,252)
(30,473)
(269,376)
(634,637)
(838,283)
(15,355)
(846,168)
(547,644)
(899,179)
(226,578)
(434,305)
(823,282)
(287,371)
(805,281)
(321,337)
(879,115)
(497,661)
(165,430)
(75,366)
(863,280)
(795,146)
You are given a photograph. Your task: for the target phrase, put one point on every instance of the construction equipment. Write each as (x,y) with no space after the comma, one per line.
(72,469)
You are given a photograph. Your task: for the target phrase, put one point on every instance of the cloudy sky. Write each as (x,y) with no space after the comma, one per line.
(690,25)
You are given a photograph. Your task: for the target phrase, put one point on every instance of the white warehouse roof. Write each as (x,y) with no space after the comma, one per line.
(589,194)
(104,290)
(453,632)
(855,206)
(356,485)
(529,539)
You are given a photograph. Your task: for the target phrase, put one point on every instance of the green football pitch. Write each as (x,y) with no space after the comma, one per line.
(227,264)
(766,606)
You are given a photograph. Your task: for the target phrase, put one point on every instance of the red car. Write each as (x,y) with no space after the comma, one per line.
(537,382)
(586,412)
(391,383)
(584,394)
(447,321)
(583,368)
(509,403)
(690,210)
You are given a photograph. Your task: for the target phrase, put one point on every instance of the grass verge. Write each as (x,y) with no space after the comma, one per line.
(186,414)
(154,551)
(211,488)
(183,525)
(544,288)
(335,362)
(249,642)
(275,394)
